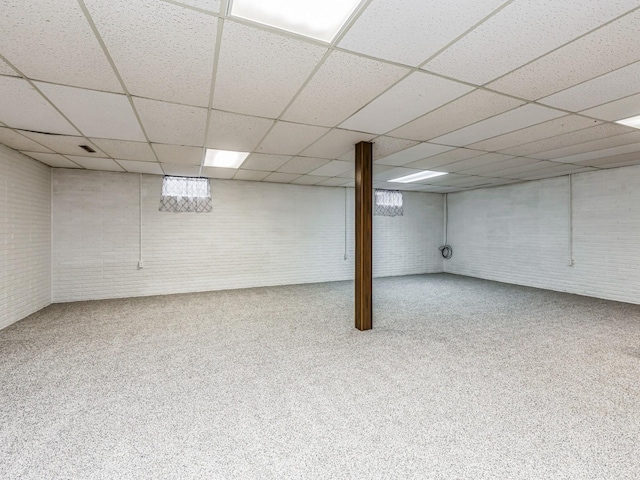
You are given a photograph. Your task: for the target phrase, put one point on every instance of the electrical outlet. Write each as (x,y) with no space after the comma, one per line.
(141,264)
(570,263)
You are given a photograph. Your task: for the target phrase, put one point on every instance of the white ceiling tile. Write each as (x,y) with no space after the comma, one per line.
(124,150)
(334,182)
(267,163)
(463,181)
(615,159)
(618,110)
(496,166)
(309,180)
(281,177)
(96,114)
(302,165)
(416,95)
(576,62)
(351,173)
(52,159)
(259,72)
(161,50)
(152,168)
(171,123)
(333,168)
(178,154)
(552,128)
(473,162)
(15,140)
(520,117)
(181,170)
(515,172)
(409,32)
(572,138)
(52,41)
(611,86)
(209,5)
(22,107)
(290,138)
(5,69)
(607,152)
(218,172)
(235,132)
(521,32)
(412,154)
(622,164)
(396,172)
(252,175)
(64,144)
(449,179)
(335,143)
(471,108)
(445,158)
(555,172)
(93,163)
(593,145)
(343,84)
(386,146)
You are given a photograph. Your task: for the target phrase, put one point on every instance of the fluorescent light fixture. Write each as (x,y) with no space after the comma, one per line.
(224,158)
(630,122)
(414,177)
(319,19)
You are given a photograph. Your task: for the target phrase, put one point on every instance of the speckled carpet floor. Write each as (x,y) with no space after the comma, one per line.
(460,379)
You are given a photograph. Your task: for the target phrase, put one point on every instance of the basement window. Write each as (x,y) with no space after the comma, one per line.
(185,194)
(388,203)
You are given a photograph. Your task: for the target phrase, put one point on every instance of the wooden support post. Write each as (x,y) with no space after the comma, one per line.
(364,235)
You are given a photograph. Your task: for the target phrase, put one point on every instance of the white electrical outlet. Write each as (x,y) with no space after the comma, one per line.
(570,263)
(141,264)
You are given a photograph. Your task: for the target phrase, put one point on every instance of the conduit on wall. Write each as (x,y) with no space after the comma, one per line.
(345,223)
(570,261)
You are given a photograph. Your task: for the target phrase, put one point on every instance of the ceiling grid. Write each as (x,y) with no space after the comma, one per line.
(491,99)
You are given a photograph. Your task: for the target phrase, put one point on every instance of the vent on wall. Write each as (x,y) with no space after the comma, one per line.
(87,148)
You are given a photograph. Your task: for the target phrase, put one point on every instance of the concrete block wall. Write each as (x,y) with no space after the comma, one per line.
(258,234)
(521,234)
(25,236)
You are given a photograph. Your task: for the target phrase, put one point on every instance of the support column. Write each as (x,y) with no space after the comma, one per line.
(364,235)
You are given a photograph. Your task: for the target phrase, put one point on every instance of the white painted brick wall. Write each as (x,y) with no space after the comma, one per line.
(520,234)
(25,236)
(258,234)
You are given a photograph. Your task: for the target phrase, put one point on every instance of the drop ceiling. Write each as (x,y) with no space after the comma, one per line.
(492,92)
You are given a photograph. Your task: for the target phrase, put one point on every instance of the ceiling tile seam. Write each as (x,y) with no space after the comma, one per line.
(19,132)
(467,32)
(106,53)
(76,163)
(557,148)
(351,21)
(214,74)
(193,7)
(295,96)
(504,133)
(589,80)
(606,103)
(562,46)
(448,103)
(35,87)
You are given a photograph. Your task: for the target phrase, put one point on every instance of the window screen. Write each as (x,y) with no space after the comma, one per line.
(185,194)
(388,203)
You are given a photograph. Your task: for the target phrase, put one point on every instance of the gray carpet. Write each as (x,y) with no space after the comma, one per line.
(460,379)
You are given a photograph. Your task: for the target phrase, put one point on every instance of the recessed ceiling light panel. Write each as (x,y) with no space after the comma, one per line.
(319,19)
(224,158)
(630,122)
(415,177)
